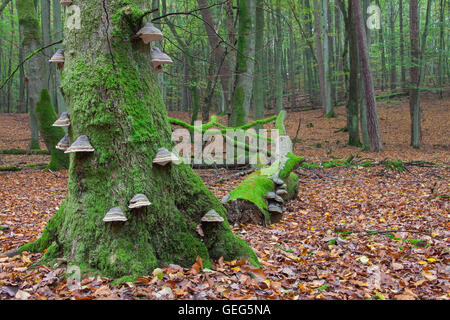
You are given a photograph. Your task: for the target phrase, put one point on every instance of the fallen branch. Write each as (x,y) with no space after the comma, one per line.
(235,175)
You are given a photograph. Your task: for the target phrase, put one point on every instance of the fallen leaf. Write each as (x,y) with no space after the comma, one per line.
(22,295)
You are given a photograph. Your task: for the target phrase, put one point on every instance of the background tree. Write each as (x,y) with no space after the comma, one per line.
(372,117)
(34,68)
(245,64)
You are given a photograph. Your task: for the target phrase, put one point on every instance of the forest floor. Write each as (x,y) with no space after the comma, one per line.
(352,233)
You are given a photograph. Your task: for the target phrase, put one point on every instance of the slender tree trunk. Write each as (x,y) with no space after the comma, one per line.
(414,105)
(383,54)
(46,39)
(58,34)
(193,86)
(278,53)
(22,101)
(319,50)
(402,46)
(34,67)
(417,71)
(232,55)
(393,47)
(10,60)
(258,86)
(441,49)
(372,117)
(215,44)
(353,92)
(126,122)
(291,60)
(244,64)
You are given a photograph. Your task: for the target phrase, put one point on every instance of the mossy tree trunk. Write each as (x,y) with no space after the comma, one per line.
(46,117)
(114,99)
(245,64)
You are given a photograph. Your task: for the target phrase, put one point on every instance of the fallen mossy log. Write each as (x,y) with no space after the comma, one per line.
(260,198)
(17,168)
(214,127)
(26,152)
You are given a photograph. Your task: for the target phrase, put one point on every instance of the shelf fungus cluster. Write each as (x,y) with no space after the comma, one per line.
(117,215)
(149,33)
(139,201)
(58,58)
(275,200)
(164,156)
(81,144)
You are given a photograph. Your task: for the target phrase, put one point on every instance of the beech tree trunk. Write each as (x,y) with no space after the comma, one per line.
(372,117)
(414,105)
(216,47)
(353,92)
(114,99)
(258,84)
(34,68)
(245,64)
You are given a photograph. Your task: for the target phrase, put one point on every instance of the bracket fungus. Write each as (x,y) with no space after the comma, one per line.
(63,120)
(139,201)
(58,58)
(66,2)
(159,58)
(164,156)
(282,192)
(273,208)
(212,216)
(82,144)
(279,199)
(277,181)
(115,215)
(64,143)
(149,33)
(271,195)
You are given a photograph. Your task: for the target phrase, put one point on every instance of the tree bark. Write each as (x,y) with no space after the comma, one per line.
(219,52)
(115,101)
(417,70)
(441,49)
(244,64)
(58,34)
(393,48)
(402,47)
(353,92)
(278,54)
(414,105)
(383,55)
(34,68)
(372,117)
(319,50)
(258,86)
